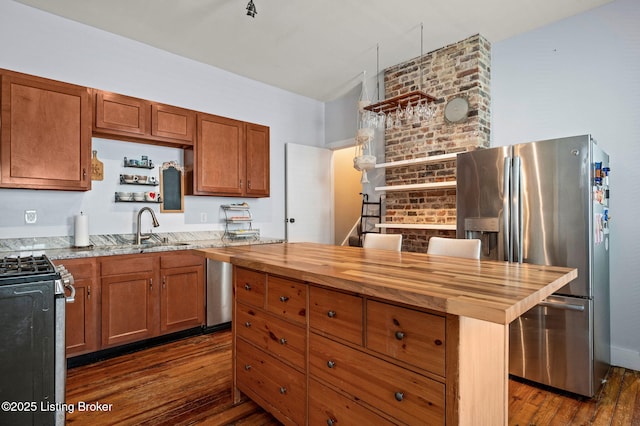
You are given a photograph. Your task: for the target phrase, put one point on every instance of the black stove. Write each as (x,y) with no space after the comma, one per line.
(32,339)
(26,269)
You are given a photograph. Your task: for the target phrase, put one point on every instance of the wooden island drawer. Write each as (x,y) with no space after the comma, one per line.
(415,337)
(285,340)
(402,394)
(267,380)
(328,407)
(250,286)
(287,298)
(336,313)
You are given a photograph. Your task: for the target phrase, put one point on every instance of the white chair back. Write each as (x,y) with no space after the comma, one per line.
(383,241)
(454,247)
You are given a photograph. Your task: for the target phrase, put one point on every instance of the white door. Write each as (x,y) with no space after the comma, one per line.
(309,194)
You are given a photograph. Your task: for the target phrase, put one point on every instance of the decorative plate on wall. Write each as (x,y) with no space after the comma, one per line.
(456,110)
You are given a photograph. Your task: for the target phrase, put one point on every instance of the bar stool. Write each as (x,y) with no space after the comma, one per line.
(383,241)
(454,247)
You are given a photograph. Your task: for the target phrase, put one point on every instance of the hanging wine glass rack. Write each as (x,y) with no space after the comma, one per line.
(389,105)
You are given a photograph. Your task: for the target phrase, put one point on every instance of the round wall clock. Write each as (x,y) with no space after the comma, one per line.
(456,110)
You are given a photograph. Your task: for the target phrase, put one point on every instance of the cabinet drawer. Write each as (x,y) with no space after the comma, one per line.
(178,259)
(265,379)
(405,395)
(281,338)
(415,337)
(287,298)
(336,313)
(327,407)
(250,286)
(118,265)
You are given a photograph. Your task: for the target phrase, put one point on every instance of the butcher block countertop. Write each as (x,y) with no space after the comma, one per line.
(497,292)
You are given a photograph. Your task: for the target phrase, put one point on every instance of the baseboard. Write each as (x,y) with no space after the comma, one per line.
(627,358)
(104,354)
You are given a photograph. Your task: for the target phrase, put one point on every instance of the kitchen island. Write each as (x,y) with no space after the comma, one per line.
(323,333)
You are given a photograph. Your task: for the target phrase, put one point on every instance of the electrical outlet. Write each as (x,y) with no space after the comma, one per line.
(30,216)
(203,217)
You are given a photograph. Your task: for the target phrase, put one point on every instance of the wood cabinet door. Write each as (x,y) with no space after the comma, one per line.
(45,140)
(257,160)
(81,326)
(219,156)
(182,298)
(121,115)
(128,312)
(173,122)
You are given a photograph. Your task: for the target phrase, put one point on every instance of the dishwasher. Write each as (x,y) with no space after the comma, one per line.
(219,294)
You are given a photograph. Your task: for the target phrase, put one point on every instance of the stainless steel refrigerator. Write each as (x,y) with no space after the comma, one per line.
(546,203)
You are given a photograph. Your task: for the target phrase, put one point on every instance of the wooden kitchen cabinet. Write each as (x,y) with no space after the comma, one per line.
(230,158)
(271,343)
(182,298)
(81,326)
(128,118)
(45,140)
(130,292)
(257,160)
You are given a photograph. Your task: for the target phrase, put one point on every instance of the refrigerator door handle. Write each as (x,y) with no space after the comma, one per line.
(516,211)
(559,305)
(506,234)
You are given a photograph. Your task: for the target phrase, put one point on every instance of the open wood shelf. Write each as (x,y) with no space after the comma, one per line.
(417,161)
(435,226)
(418,186)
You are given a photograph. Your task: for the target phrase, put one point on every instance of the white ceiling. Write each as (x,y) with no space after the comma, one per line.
(315,48)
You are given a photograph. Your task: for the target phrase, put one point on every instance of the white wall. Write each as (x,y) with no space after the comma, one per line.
(42,44)
(582,75)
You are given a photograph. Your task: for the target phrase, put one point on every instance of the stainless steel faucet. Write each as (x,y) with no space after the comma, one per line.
(139,235)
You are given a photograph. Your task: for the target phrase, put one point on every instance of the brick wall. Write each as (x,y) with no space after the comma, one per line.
(461,69)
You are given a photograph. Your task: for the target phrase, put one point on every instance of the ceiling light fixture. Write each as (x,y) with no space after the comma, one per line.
(251,9)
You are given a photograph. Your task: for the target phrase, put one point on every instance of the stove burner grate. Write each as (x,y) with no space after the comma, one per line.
(17,266)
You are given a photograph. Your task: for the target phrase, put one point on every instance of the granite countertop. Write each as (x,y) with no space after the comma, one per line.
(115,244)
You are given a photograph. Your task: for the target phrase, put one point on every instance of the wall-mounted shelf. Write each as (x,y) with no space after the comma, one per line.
(418,161)
(124,182)
(450,184)
(138,164)
(434,226)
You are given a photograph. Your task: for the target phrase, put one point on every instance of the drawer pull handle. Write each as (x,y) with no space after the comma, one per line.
(283,390)
(331,364)
(399,396)
(247,287)
(283,298)
(331,314)
(399,335)
(283,341)
(247,324)
(247,367)
(331,422)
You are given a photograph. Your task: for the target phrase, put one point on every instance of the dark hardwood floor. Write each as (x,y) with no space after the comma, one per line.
(188,382)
